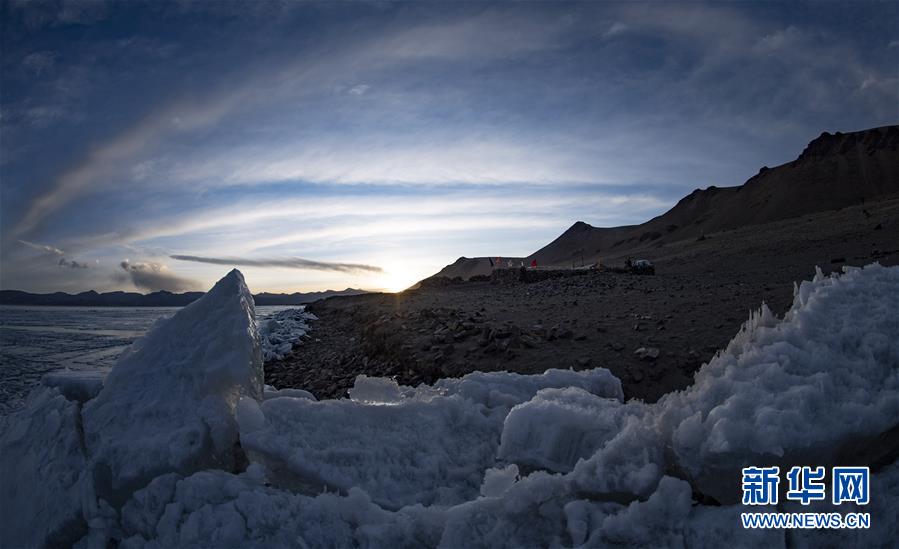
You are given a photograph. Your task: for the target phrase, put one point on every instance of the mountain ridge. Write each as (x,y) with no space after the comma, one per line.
(834,171)
(160,298)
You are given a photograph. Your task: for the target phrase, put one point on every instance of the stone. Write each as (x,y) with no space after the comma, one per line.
(647,353)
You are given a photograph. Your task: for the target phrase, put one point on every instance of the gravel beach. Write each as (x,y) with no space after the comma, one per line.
(653,332)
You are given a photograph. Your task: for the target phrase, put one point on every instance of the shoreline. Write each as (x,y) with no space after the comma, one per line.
(700,297)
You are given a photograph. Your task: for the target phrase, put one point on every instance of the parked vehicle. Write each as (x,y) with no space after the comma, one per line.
(640,266)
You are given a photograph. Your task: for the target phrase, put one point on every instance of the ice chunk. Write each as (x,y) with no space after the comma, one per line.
(558,427)
(214,508)
(271,392)
(281,331)
(656,522)
(409,451)
(498,480)
(169,403)
(826,375)
(402,445)
(375,390)
(249,416)
(530,513)
(505,389)
(45,478)
(628,465)
(79,385)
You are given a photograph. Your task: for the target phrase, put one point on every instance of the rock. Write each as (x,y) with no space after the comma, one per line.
(647,353)
(530,341)
(514,342)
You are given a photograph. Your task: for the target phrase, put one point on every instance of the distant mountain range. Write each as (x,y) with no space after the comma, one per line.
(834,171)
(154,299)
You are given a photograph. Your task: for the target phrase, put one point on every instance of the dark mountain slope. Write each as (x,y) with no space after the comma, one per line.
(834,171)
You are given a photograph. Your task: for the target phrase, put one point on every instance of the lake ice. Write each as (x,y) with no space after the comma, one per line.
(182,446)
(38,340)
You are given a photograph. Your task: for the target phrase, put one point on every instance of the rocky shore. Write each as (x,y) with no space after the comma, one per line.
(653,332)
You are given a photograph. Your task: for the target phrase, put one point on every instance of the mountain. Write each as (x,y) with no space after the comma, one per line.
(154,299)
(298,298)
(467,267)
(834,171)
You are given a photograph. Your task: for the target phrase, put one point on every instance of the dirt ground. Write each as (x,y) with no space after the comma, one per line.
(702,293)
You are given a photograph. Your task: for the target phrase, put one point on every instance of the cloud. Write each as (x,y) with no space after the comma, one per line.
(616,28)
(490,34)
(56,13)
(39,62)
(421,158)
(53,250)
(359,89)
(42,247)
(105,159)
(63,262)
(290,263)
(156,276)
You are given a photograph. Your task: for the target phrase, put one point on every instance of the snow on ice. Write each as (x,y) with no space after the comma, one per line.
(184,447)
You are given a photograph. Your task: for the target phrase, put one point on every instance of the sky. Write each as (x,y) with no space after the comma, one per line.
(148,146)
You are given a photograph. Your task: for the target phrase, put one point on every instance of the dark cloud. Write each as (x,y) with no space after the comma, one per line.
(72,264)
(290,263)
(155,276)
(54,251)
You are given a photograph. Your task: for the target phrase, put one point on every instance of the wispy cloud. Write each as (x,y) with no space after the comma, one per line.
(290,263)
(39,62)
(156,276)
(614,29)
(395,133)
(56,252)
(359,89)
(104,160)
(43,247)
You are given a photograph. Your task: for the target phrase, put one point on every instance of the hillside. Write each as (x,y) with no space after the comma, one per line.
(467,267)
(834,171)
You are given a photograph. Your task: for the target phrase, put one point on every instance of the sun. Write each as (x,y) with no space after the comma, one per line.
(393,281)
(399,273)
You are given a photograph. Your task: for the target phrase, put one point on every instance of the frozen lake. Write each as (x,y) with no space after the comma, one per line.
(37,340)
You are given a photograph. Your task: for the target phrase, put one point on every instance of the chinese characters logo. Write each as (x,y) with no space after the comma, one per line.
(806,484)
